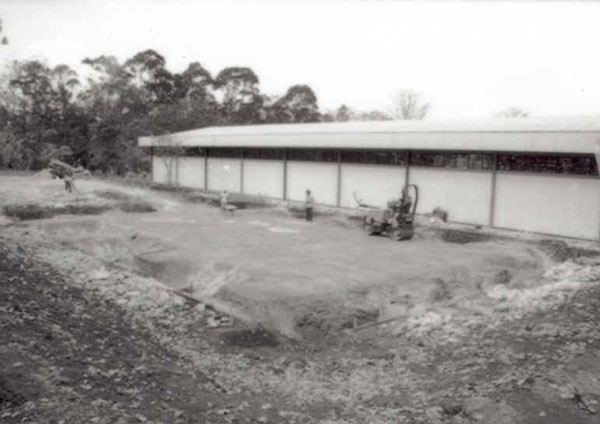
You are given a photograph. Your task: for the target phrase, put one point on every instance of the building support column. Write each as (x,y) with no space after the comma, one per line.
(338,200)
(407,170)
(205,169)
(285,172)
(242,172)
(151,164)
(493,190)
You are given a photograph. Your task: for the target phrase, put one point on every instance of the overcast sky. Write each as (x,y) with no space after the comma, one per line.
(469,59)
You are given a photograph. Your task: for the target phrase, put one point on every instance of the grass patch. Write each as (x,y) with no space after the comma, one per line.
(33,211)
(136,207)
(27,212)
(463,236)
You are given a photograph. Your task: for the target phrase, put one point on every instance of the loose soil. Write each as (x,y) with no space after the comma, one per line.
(290,324)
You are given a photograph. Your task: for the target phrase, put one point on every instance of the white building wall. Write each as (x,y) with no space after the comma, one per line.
(465,195)
(224,174)
(191,172)
(320,178)
(548,204)
(374,184)
(164,169)
(263,177)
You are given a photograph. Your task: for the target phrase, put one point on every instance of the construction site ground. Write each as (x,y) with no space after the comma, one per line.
(292,322)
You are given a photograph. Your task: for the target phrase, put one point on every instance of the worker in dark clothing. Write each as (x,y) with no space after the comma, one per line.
(308,205)
(405,204)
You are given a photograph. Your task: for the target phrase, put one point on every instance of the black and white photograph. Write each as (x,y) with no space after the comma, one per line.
(299,212)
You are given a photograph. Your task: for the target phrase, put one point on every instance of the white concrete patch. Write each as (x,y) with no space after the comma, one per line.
(260,223)
(169,221)
(283,230)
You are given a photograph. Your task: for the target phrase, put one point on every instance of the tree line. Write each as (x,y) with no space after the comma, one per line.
(49,112)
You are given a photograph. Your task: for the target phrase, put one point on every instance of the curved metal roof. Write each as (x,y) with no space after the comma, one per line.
(576,134)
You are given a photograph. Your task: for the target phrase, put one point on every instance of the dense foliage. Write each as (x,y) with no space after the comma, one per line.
(51,112)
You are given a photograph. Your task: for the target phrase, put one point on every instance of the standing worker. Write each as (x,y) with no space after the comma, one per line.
(308,206)
(68,179)
(224,200)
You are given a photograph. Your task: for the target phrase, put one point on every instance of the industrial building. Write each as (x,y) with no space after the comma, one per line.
(530,174)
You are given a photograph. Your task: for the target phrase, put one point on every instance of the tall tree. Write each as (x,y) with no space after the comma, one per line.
(241,100)
(39,113)
(194,82)
(408,104)
(147,70)
(298,104)
(120,112)
(34,111)
(196,104)
(343,114)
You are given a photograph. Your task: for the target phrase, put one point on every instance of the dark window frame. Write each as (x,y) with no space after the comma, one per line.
(225,152)
(450,159)
(574,164)
(264,153)
(375,156)
(542,163)
(312,155)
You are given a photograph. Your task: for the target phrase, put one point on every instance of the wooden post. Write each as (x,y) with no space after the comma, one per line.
(206,169)
(493,189)
(151,164)
(339,179)
(285,156)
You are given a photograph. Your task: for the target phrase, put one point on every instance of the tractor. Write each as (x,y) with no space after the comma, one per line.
(397,220)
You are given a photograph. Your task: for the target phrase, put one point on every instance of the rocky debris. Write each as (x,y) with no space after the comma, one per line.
(571,271)
(452,362)
(68,356)
(217,320)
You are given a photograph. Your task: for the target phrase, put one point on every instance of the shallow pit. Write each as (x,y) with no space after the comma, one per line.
(253,337)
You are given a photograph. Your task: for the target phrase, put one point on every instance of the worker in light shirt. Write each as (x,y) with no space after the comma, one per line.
(308,206)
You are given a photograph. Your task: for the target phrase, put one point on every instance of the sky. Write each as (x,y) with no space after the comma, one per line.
(469,59)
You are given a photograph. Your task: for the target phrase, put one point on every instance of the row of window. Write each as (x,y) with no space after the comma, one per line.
(452,160)
(577,165)
(555,164)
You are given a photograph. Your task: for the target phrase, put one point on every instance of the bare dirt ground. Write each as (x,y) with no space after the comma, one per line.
(288,330)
